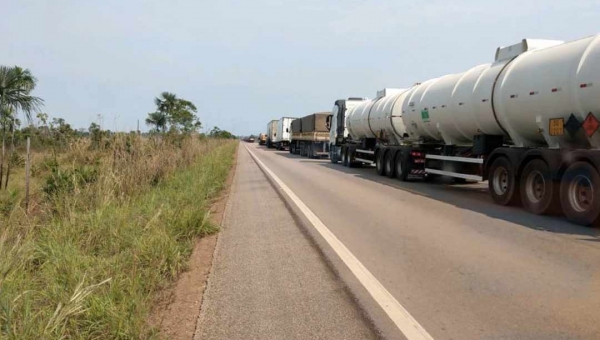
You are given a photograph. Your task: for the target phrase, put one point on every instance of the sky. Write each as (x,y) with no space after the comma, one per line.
(244,63)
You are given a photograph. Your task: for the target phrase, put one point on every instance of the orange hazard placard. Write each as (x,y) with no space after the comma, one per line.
(557,127)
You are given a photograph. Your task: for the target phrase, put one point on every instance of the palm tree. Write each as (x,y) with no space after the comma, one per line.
(16,84)
(158,119)
(166,103)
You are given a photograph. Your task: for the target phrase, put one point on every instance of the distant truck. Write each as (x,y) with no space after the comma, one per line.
(310,135)
(281,137)
(271,131)
(262,139)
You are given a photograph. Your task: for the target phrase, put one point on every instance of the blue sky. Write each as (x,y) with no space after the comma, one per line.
(244,63)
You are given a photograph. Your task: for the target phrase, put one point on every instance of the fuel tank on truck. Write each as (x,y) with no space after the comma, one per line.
(375,118)
(456,107)
(547,84)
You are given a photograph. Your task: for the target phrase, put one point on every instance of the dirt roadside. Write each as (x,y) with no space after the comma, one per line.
(176,310)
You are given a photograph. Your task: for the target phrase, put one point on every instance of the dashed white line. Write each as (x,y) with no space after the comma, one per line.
(411,329)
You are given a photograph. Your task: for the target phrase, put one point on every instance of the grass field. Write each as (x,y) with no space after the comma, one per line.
(107,228)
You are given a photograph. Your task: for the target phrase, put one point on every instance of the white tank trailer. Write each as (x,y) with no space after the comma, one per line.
(526,122)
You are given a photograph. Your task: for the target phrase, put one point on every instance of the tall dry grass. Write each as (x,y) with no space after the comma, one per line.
(110,225)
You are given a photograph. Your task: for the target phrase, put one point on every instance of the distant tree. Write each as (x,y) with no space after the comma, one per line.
(183,117)
(61,130)
(218,133)
(179,113)
(95,134)
(158,120)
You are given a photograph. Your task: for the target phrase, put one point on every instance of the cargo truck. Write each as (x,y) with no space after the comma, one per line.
(271,131)
(527,123)
(310,135)
(262,139)
(281,138)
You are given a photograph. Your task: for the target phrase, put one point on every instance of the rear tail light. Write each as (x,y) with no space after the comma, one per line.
(416,154)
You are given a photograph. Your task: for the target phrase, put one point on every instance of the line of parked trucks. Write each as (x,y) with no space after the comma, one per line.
(526,122)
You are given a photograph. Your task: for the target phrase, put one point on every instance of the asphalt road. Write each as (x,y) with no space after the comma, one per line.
(268,280)
(463,267)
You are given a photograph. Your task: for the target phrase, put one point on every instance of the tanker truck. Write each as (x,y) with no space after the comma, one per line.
(310,135)
(527,123)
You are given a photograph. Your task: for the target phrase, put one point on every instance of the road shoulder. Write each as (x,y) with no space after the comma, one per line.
(268,280)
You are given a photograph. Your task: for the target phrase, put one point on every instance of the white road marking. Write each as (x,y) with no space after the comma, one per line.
(411,329)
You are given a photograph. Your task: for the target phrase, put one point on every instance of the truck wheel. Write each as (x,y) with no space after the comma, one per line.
(333,157)
(539,193)
(502,182)
(379,163)
(345,156)
(580,194)
(390,167)
(351,163)
(401,169)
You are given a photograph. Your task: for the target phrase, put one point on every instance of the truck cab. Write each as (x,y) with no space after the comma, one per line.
(338,131)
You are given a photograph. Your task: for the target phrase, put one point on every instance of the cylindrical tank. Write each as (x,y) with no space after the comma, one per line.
(546,84)
(374,118)
(528,84)
(356,120)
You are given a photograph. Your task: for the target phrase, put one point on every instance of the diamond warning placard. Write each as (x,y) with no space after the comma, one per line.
(557,127)
(590,124)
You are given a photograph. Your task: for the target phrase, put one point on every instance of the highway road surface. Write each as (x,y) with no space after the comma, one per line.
(458,265)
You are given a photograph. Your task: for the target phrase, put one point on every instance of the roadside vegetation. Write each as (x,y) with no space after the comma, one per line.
(111,217)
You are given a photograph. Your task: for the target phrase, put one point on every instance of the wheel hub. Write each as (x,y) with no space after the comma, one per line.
(535,187)
(581,193)
(500,180)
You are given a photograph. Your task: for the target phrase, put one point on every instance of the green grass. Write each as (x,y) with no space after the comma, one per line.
(91,271)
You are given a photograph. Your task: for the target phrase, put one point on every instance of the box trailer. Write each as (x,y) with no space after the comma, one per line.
(271,131)
(281,138)
(310,135)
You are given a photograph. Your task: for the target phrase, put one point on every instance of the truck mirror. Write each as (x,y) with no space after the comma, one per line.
(328,123)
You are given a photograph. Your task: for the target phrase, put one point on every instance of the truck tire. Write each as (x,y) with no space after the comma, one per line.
(345,156)
(539,193)
(351,162)
(579,196)
(502,182)
(401,168)
(379,163)
(388,162)
(333,156)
